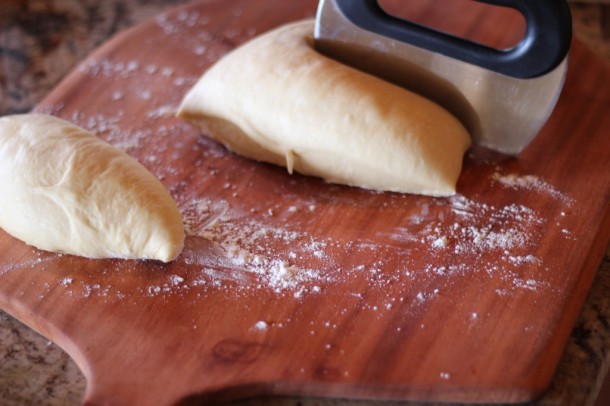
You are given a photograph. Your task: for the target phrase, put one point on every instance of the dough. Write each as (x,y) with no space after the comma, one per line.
(275,99)
(62,189)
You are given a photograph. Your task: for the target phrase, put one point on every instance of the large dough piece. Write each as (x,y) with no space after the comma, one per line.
(62,189)
(275,99)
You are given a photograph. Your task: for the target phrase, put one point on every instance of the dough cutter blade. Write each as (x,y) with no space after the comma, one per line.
(503,97)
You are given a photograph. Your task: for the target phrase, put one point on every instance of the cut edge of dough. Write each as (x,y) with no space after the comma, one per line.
(237,141)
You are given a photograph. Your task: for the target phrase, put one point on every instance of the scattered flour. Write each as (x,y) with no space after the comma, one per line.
(256,252)
(246,245)
(529,182)
(261,326)
(480,228)
(67,281)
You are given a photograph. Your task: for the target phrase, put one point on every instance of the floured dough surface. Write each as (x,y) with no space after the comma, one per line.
(275,99)
(62,189)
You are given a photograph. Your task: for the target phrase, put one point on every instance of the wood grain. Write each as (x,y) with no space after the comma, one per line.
(288,285)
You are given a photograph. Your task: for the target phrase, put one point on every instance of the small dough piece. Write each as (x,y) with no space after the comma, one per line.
(275,99)
(62,189)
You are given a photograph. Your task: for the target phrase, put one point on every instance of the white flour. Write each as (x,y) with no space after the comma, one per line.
(231,250)
(528,182)
(245,243)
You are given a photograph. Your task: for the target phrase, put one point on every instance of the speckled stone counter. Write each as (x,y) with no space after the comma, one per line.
(41,40)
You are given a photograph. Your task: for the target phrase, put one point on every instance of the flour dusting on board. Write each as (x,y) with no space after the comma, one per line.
(245,245)
(504,229)
(238,250)
(257,252)
(529,182)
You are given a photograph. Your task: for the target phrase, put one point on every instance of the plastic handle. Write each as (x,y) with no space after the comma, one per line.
(546,42)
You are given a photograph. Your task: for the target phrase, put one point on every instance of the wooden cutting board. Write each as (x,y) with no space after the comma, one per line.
(288,285)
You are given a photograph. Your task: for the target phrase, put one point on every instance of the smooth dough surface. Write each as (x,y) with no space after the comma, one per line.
(62,189)
(275,99)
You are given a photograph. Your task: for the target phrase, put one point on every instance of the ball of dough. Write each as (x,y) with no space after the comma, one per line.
(62,189)
(275,99)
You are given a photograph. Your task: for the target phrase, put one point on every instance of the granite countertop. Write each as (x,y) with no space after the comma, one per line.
(40,41)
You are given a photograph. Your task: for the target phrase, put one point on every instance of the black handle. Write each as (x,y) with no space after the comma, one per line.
(545,44)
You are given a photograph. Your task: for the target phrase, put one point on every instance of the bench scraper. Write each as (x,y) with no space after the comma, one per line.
(503,97)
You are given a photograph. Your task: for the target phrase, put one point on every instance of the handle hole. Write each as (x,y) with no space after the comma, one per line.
(494,26)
